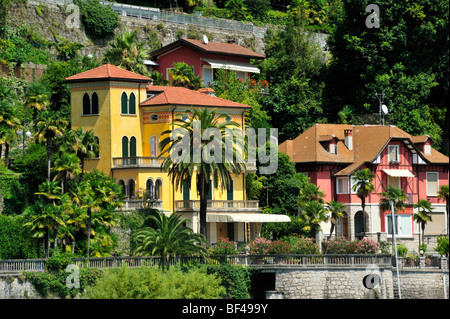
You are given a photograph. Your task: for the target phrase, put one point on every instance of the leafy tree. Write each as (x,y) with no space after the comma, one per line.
(67,167)
(10,123)
(362,185)
(37,98)
(407,57)
(313,213)
(83,143)
(216,171)
(158,78)
(15,240)
(99,20)
(395,195)
(423,215)
(183,75)
(168,238)
(126,52)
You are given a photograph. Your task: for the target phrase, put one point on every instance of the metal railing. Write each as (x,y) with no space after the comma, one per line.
(133,204)
(138,161)
(218,205)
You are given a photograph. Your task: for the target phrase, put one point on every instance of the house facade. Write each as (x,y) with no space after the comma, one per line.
(205,58)
(330,154)
(127,115)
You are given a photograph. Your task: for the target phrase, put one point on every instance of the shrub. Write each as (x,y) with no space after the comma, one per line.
(442,245)
(15,240)
(58,261)
(225,247)
(98,19)
(402,250)
(337,245)
(280,247)
(260,246)
(305,246)
(235,279)
(365,246)
(340,245)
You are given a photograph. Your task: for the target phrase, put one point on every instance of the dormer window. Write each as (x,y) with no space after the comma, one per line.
(393,154)
(427,149)
(333,148)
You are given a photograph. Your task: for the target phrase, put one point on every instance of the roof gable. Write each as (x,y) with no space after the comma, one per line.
(107,72)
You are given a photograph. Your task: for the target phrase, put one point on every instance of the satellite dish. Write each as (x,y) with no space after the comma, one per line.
(205,39)
(384,109)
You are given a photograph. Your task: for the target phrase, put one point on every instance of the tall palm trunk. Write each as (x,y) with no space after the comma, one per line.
(49,155)
(204,187)
(89,231)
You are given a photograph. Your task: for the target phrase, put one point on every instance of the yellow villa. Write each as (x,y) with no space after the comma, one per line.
(127,114)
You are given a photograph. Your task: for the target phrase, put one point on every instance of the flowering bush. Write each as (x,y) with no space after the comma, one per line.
(280,247)
(225,247)
(305,246)
(340,245)
(260,246)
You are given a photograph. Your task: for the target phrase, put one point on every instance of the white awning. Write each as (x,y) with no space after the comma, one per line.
(236,66)
(398,172)
(246,218)
(150,62)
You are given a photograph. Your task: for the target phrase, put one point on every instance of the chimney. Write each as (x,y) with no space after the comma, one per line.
(348,139)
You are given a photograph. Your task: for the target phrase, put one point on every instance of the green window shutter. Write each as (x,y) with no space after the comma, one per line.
(132,104)
(133,150)
(230,192)
(124,146)
(86,104)
(210,190)
(124,102)
(94,103)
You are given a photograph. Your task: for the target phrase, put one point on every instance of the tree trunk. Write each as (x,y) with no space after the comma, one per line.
(6,155)
(363,205)
(331,230)
(49,155)
(423,233)
(203,208)
(89,231)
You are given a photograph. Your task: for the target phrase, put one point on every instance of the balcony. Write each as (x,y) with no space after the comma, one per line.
(133,204)
(218,205)
(136,162)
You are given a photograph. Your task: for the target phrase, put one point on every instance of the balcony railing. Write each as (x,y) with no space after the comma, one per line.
(139,161)
(218,205)
(132,204)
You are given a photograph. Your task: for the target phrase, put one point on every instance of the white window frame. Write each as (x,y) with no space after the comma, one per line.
(397,152)
(345,182)
(427,149)
(397,217)
(437,182)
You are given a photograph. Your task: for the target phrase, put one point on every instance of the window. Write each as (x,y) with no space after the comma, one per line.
(123,103)
(125,146)
(342,185)
(94,106)
(432,183)
(132,104)
(394,181)
(393,153)
(149,188)
(403,225)
(154,146)
(333,148)
(133,152)
(154,118)
(427,149)
(158,189)
(86,104)
(207,76)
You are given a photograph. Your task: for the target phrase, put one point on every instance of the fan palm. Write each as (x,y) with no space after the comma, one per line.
(313,214)
(128,53)
(67,166)
(443,193)
(363,186)
(423,215)
(37,98)
(183,75)
(395,195)
(168,237)
(83,143)
(188,165)
(336,210)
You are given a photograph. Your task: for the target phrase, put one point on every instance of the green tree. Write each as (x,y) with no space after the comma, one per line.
(10,123)
(395,195)
(83,143)
(336,210)
(443,193)
(423,215)
(126,52)
(168,238)
(363,186)
(216,171)
(183,75)
(37,98)
(99,20)
(67,167)
(313,213)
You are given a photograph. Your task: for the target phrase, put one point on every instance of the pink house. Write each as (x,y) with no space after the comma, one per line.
(330,154)
(205,58)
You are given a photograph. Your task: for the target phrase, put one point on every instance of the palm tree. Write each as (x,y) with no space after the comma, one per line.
(83,143)
(10,123)
(128,53)
(310,192)
(67,166)
(37,98)
(158,78)
(168,237)
(363,186)
(40,219)
(443,193)
(50,126)
(313,214)
(336,209)
(183,75)
(423,215)
(187,166)
(395,195)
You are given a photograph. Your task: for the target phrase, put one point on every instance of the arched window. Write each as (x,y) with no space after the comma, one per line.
(122,184)
(94,101)
(124,146)
(154,146)
(149,188)
(133,150)
(132,104)
(131,188)
(124,102)
(158,189)
(86,104)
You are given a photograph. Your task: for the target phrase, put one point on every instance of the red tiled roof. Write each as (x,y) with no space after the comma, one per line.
(105,72)
(171,95)
(368,142)
(211,47)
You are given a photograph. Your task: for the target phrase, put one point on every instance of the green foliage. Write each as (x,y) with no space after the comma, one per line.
(224,247)
(55,282)
(236,279)
(280,247)
(442,245)
(15,240)
(260,246)
(340,245)
(153,283)
(402,250)
(58,261)
(303,245)
(183,75)
(99,20)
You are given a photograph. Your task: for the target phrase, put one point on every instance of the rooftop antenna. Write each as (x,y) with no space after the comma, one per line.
(380,97)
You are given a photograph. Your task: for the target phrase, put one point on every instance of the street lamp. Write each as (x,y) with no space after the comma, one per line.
(394,228)
(28,135)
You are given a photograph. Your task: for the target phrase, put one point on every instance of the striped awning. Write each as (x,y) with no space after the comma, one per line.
(398,172)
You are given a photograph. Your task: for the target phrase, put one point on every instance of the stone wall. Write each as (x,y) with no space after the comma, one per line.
(16,287)
(421,283)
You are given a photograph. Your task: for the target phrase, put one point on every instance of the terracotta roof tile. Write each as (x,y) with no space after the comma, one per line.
(171,95)
(105,72)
